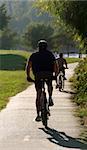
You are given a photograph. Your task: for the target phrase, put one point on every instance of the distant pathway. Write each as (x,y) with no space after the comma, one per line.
(19,131)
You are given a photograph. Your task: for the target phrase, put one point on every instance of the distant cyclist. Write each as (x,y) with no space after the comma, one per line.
(41,61)
(62,63)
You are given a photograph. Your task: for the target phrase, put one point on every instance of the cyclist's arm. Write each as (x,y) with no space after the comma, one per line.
(65,62)
(56,68)
(28,68)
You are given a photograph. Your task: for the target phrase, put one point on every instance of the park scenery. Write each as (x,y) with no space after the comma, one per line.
(63,24)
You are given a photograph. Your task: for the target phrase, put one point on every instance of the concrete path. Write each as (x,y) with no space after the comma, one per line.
(19,131)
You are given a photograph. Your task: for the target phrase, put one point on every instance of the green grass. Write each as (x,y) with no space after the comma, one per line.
(72,60)
(11,82)
(12,74)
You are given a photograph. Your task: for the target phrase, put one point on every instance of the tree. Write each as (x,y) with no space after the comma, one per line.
(72,13)
(8,39)
(36,32)
(4,18)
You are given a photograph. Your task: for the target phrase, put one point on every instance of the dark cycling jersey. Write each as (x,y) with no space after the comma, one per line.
(61,63)
(42,61)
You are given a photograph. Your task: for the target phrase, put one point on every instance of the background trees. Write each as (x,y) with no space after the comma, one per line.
(4,18)
(36,32)
(66,16)
(7,36)
(73,14)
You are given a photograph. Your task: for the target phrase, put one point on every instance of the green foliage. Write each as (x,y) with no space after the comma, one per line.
(8,39)
(62,40)
(73,15)
(12,62)
(23,14)
(4,18)
(36,32)
(71,12)
(80,84)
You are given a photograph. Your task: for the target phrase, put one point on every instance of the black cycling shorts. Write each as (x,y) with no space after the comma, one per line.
(43,75)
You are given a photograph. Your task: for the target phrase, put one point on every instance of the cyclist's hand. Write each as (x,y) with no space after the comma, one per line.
(30,80)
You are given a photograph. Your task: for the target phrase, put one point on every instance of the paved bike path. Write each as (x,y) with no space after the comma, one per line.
(19,131)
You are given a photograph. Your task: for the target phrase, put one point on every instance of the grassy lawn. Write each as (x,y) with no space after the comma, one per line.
(72,60)
(11,82)
(12,74)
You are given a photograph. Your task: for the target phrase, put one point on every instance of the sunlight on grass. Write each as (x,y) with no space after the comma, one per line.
(11,82)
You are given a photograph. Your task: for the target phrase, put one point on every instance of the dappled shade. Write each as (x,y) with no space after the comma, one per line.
(12,62)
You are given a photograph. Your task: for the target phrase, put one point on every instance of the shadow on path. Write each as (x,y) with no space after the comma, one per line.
(69,92)
(60,138)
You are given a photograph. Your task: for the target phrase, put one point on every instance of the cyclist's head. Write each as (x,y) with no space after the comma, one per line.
(61,55)
(42,44)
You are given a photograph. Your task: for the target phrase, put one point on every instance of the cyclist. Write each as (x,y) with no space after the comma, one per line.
(41,61)
(62,63)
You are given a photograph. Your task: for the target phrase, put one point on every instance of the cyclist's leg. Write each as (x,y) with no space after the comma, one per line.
(57,84)
(50,91)
(64,73)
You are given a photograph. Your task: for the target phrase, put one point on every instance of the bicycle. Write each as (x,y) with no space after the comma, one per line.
(60,80)
(44,104)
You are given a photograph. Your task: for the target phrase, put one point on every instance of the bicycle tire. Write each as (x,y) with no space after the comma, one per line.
(63,84)
(44,117)
(44,109)
(60,83)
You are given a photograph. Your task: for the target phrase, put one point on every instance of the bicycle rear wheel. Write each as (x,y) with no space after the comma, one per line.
(60,83)
(44,109)
(44,118)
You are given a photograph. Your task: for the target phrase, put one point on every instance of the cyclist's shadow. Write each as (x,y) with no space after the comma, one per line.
(69,92)
(60,138)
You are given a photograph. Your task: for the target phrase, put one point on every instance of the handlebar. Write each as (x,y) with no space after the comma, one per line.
(30,79)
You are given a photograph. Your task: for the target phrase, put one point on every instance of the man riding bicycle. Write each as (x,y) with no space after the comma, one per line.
(41,61)
(62,63)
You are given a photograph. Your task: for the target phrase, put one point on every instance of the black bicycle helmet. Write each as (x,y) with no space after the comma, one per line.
(42,44)
(61,55)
